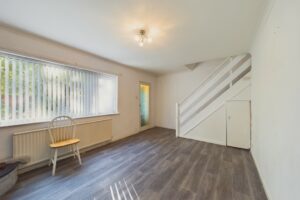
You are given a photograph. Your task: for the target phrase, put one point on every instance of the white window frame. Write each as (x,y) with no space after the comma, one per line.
(4,123)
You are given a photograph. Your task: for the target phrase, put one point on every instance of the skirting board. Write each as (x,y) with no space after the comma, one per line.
(204,140)
(260,177)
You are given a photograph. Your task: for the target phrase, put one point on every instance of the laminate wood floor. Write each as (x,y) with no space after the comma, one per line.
(151,165)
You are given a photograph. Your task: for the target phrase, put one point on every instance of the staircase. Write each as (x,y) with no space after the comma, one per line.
(227,81)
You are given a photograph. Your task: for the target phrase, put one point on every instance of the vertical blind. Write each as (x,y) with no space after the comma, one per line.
(33,91)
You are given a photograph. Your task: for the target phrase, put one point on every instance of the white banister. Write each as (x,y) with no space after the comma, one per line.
(211,82)
(210,76)
(211,93)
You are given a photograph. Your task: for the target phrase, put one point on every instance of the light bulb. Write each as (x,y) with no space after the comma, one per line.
(142,37)
(136,38)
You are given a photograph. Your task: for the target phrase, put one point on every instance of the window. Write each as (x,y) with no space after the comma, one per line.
(35,91)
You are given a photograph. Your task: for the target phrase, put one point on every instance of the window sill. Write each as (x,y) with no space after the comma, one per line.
(22,123)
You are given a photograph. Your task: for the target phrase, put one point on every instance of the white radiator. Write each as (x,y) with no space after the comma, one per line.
(35,143)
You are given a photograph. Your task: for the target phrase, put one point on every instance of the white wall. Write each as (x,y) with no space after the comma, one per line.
(124,124)
(212,129)
(276,100)
(172,88)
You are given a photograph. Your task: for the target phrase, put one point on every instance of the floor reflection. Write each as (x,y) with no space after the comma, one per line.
(121,190)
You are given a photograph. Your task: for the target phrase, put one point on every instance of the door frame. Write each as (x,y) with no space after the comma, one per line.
(142,128)
(226,120)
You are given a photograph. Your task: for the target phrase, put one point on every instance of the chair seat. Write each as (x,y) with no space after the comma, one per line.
(64,143)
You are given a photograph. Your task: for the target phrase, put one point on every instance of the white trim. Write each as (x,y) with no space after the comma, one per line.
(260,177)
(6,89)
(29,67)
(14,100)
(21,91)
(214,72)
(148,126)
(52,62)
(20,123)
(204,140)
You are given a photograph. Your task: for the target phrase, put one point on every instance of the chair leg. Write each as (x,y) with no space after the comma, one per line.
(78,154)
(74,151)
(54,162)
(51,157)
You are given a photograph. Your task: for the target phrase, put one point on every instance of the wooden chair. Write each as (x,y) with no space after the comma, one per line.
(62,134)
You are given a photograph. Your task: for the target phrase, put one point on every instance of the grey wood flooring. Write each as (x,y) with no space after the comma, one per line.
(151,165)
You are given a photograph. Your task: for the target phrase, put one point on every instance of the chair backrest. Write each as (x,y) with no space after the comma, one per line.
(61,128)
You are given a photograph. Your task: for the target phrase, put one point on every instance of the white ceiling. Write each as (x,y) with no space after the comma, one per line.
(184,31)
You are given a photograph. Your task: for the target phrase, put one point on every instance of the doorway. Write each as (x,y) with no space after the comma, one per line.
(238,124)
(144,90)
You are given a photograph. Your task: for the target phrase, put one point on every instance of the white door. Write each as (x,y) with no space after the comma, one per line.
(238,124)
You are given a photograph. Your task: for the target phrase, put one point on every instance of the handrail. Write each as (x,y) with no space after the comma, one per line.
(228,80)
(231,68)
(211,113)
(207,79)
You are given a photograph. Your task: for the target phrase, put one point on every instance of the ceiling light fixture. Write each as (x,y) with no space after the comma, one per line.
(142,37)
